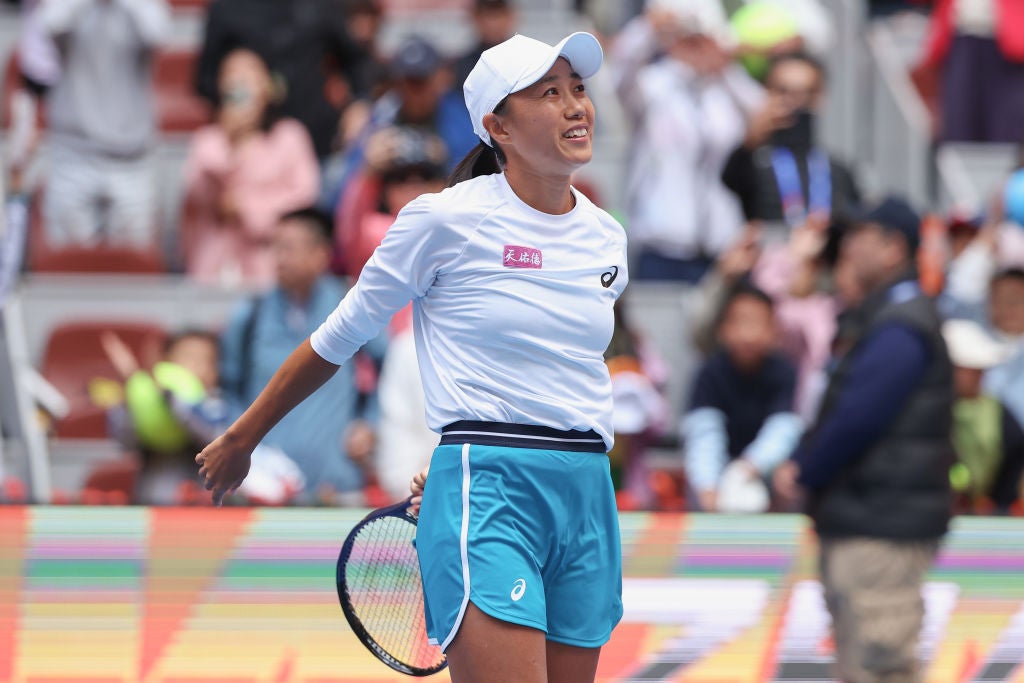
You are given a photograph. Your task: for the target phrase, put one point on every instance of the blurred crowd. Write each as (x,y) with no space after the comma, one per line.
(313,138)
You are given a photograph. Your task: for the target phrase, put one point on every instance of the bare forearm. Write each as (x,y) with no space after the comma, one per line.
(302,373)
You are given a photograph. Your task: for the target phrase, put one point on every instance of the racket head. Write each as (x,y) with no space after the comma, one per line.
(377,562)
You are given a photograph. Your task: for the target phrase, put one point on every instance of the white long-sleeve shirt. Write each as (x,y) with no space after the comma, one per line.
(685,128)
(512,307)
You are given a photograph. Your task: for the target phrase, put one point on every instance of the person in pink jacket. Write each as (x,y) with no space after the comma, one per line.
(243,173)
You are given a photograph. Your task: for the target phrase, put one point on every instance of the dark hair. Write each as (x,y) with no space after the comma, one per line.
(743,289)
(483,159)
(314,220)
(1007,274)
(274,109)
(797,56)
(190,333)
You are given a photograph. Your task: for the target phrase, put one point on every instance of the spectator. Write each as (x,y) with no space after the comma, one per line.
(370,71)
(1006,312)
(174,409)
(978,45)
(494,21)
(780,172)
(767,28)
(328,435)
(102,122)
(169,412)
(402,164)
(405,442)
(243,173)
(876,463)
(989,441)
(811,288)
(741,409)
(689,110)
(979,247)
(420,99)
(39,68)
(640,412)
(297,39)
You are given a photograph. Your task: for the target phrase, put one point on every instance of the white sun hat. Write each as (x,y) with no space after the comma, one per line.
(518,63)
(970,346)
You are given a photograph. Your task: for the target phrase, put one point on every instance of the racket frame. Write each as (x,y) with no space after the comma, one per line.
(400,511)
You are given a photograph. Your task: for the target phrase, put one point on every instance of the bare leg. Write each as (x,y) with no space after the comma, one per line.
(569,664)
(487,650)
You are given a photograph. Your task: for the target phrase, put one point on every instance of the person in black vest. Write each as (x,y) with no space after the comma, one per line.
(875,466)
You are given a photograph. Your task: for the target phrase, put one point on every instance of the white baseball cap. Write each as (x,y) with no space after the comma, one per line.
(518,63)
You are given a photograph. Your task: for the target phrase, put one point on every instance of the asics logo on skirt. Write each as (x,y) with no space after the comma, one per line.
(518,588)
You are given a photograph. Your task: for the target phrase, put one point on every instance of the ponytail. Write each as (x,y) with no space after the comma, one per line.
(481,160)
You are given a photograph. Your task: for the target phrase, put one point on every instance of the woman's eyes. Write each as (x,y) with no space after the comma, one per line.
(554,91)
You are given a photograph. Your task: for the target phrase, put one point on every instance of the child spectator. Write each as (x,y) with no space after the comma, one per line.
(1006,312)
(741,408)
(989,442)
(243,173)
(172,410)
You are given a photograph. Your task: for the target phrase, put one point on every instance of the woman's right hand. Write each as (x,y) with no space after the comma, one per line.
(416,487)
(223,465)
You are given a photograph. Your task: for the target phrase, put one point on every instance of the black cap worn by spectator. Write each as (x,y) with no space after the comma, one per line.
(415,58)
(492,4)
(893,214)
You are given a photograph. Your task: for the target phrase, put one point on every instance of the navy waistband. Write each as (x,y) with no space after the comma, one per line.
(521,436)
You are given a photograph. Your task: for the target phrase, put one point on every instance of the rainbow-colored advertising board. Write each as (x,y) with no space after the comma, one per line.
(238,595)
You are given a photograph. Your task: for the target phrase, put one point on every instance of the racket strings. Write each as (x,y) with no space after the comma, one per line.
(385,592)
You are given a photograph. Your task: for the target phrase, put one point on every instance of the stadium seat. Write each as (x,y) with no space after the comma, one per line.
(179,108)
(112,482)
(46,258)
(74,357)
(96,260)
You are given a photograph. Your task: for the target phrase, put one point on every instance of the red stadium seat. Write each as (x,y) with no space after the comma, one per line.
(179,108)
(46,258)
(97,260)
(74,357)
(113,481)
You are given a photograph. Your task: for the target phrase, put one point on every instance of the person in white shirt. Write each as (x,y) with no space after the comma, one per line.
(513,275)
(689,105)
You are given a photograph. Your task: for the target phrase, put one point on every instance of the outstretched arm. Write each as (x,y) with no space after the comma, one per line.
(225,462)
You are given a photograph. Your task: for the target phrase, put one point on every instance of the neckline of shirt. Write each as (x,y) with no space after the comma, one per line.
(522,206)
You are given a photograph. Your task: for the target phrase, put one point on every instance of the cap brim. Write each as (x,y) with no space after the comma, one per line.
(581,49)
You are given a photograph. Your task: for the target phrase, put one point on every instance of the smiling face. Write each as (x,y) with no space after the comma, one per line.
(547,127)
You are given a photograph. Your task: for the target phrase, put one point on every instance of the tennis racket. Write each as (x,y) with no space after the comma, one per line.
(381,594)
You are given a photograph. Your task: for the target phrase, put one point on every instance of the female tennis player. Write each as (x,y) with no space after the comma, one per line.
(513,275)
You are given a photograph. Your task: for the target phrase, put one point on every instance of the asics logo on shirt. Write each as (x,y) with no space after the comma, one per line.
(607,278)
(518,588)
